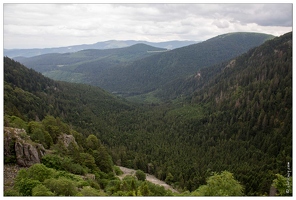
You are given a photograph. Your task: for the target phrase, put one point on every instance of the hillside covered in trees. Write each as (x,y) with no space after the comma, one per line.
(140,69)
(229,120)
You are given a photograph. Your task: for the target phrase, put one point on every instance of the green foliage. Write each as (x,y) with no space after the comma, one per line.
(52,161)
(63,163)
(16,122)
(87,160)
(39,135)
(41,190)
(11,192)
(144,189)
(103,160)
(169,178)
(235,116)
(283,185)
(26,185)
(222,184)
(51,126)
(39,172)
(61,186)
(117,170)
(142,72)
(69,165)
(92,142)
(89,191)
(140,175)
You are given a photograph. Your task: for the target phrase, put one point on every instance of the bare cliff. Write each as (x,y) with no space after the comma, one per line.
(20,149)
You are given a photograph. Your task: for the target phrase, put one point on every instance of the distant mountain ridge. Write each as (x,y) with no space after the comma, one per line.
(135,70)
(80,66)
(110,44)
(150,73)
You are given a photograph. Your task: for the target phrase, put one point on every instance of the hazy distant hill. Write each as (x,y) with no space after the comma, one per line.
(111,44)
(81,66)
(140,68)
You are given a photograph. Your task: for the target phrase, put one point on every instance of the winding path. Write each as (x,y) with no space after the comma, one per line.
(149,177)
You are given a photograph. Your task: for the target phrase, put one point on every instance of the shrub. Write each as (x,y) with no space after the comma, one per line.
(41,190)
(39,172)
(92,142)
(89,191)
(17,122)
(103,183)
(222,184)
(87,160)
(140,175)
(61,186)
(11,192)
(117,170)
(26,185)
(103,160)
(283,185)
(52,161)
(75,168)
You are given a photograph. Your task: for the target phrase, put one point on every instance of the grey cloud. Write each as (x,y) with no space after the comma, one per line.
(261,14)
(221,23)
(90,23)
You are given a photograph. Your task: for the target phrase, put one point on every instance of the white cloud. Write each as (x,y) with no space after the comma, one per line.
(49,25)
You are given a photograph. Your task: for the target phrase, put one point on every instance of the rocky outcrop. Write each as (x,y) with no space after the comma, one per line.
(19,148)
(67,140)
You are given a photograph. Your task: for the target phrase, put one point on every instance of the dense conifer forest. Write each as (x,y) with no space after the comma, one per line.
(231,121)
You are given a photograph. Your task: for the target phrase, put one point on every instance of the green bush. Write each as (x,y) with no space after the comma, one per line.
(11,192)
(16,122)
(117,170)
(39,172)
(222,184)
(92,142)
(140,175)
(41,190)
(25,186)
(87,160)
(69,165)
(38,134)
(89,191)
(103,160)
(52,161)
(103,183)
(61,186)
(94,184)
(283,185)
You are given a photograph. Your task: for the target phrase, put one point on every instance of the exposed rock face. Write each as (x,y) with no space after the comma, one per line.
(67,139)
(17,145)
(27,154)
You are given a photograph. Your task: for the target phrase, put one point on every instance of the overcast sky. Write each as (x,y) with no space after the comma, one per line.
(55,25)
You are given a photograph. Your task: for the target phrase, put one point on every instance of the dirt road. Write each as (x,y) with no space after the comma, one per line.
(149,177)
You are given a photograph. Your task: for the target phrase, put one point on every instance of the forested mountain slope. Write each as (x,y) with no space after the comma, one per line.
(140,68)
(236,117)
(29,95)
(151,73)
(83,65)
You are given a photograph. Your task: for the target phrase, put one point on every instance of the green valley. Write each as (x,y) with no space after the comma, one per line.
(134,71)
(218,121)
